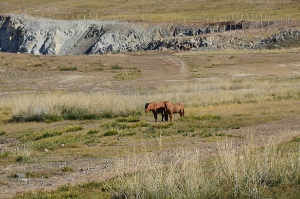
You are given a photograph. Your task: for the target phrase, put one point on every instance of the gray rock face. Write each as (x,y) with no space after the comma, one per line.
(22,33)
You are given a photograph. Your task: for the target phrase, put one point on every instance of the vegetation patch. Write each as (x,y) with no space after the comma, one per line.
(110,132)
(39,174)
(210,117)
(127,75)
(116,67)
(48,134)
(246,174)
(68,69)
(67,169)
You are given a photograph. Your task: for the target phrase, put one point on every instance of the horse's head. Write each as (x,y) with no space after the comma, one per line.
(147,107)
(167,104)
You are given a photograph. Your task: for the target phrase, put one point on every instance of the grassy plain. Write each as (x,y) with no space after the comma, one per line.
(49,115)
(76,128)
(159,11)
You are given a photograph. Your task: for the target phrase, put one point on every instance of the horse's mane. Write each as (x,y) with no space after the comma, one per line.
(146,106)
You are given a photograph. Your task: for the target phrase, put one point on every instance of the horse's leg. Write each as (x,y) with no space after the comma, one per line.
(155,116)
(180,113)
(171,117)
(162,116)
(166,115)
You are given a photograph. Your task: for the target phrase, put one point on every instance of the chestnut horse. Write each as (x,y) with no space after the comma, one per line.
(174,108)
(157,107)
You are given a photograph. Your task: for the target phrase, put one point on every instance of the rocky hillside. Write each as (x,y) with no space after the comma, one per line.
(26,34)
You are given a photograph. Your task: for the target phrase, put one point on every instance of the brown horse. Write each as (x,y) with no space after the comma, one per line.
(174,108)
(157,107)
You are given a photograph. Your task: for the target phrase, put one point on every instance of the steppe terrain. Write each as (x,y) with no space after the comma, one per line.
(75,127)
(22,74)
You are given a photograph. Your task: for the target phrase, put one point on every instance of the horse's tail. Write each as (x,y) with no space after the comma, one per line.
(182,105)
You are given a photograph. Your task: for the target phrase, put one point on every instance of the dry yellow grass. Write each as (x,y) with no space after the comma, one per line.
(203,92)
(235,172)
(167,10)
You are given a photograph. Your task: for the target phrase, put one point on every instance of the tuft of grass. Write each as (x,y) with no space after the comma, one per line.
(68,69)
(116,67)
(39,174)
(125,75)
(73,128)
(48,134)
(67,169)
(110,132)
(92,132)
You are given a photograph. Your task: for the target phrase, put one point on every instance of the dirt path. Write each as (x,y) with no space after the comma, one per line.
(182,69)
(86,170)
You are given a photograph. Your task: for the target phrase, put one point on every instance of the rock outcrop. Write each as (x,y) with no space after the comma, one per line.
(26,34)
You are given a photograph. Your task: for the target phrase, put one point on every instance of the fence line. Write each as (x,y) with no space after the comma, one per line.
(214,23)
(169,19)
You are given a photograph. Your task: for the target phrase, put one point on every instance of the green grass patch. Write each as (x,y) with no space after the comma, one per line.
(39,174)
(68,69)
(92,132)
(48,134)
(116,67)
(111,132)
(128,119)
(86,190)
(127,75)
(210,117)
(67,169)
